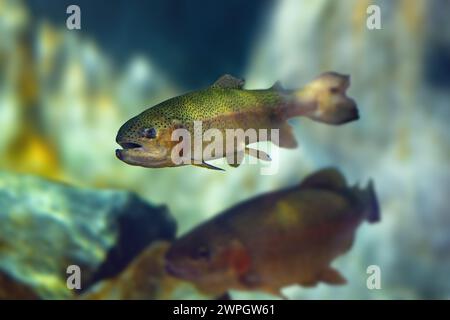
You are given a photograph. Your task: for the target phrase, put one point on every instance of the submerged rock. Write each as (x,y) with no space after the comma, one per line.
(145,278)
(46,226)
(11,289)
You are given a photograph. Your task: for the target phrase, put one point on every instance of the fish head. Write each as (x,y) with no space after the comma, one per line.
(210,259)
(145,141)
(328,94)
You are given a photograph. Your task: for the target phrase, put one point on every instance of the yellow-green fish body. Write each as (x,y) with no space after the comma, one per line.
(147,138)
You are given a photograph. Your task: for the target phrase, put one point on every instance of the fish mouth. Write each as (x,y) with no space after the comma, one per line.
(128,148)
(130,145)
(181,272)
(136,154)
(179,268)
(171,270)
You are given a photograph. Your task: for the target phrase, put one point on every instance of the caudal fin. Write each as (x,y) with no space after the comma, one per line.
(324,99)
(369,200)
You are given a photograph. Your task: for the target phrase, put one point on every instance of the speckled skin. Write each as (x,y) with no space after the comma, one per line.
(226,105)
(220,108)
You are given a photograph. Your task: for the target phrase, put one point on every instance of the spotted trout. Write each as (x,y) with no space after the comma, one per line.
(148,139)
(278,239)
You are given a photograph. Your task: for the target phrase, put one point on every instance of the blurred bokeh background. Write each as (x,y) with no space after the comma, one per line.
(64,94)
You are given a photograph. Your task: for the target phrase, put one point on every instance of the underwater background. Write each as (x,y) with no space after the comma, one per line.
(66,199)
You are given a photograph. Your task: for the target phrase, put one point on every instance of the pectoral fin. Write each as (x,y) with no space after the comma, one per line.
(286,138)
(332,276)
(206,165)
(235,159)
(234,165)
(277,86)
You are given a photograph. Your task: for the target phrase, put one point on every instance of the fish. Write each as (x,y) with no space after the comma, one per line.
(274,240)
(147,139)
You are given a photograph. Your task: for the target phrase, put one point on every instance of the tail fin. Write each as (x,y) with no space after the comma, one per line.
(325,100)
(369,201)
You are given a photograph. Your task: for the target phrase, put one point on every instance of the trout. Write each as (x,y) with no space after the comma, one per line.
(278,239)
(147,140)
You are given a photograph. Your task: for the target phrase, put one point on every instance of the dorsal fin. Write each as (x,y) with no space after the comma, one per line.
(277,86)
(329,178)
(229,82)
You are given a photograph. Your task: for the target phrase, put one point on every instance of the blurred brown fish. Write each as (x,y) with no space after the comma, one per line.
(277,239)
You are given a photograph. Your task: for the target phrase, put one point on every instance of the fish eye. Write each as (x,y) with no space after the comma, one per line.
(201,253)
(334,90)
(149,133)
